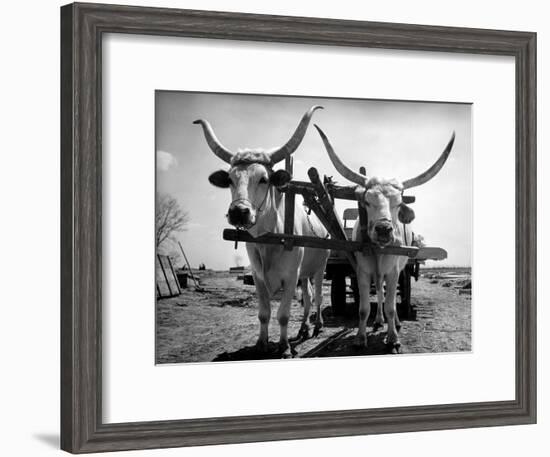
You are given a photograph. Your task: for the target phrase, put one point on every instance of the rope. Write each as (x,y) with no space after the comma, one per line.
(312,229)
(257,209)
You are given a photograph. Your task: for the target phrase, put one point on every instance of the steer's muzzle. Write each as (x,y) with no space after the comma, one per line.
(240,216)
(383,232)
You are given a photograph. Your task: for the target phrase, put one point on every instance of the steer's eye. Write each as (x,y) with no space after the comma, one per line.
(263,180)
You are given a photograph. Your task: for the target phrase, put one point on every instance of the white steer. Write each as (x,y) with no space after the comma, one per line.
(388,219)
(257,206)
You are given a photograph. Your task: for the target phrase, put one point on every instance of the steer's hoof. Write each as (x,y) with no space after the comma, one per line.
(398,326)
(262,346)
(303,334)
(377,326)
(286,354)
(395,348)
(317,330)
(286,351)
(360,341)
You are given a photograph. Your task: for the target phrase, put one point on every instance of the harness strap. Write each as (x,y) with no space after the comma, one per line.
(312,228)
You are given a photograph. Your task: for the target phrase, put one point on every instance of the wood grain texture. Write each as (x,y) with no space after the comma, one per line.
(82,28)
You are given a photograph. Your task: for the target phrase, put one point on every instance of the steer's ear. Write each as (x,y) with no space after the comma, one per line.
(220,178)
(280,178)
(405,214)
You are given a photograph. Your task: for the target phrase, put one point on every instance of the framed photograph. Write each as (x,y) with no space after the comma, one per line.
(282,227)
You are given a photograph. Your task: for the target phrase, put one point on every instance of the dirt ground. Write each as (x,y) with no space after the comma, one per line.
(221,324)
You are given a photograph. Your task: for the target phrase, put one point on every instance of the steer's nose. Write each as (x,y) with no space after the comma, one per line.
(383,230)
(238,215)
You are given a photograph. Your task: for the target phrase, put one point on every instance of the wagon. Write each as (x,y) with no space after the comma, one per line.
(344,282)
(319,196)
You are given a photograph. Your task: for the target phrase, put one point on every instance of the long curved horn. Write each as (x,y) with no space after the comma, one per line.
(338,164)
(433,170)
(292,144)
(217,148)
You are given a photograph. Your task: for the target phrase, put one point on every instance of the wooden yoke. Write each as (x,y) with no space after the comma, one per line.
(290,199)
(331,221)
(319,197)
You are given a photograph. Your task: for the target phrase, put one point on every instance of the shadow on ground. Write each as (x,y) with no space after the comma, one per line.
(345,347)
(250,353)
(338,347)
(350,315)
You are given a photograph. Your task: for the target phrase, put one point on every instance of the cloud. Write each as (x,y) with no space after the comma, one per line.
(165,161)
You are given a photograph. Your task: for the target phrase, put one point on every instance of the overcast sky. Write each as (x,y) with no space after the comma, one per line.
(390,138)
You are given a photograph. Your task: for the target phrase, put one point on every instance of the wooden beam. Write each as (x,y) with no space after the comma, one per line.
(426,252)
(335,191)
(326,203)
(316,242)
(312,204)
(289,217)
(320,213)
(335,227)
(290,200)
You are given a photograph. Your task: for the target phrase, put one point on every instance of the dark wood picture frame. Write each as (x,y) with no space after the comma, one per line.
(82,28)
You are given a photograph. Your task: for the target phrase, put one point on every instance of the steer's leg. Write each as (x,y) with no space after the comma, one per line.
(264,314)
(397,322)
(283,316)
(391,289)
(303,334)
(363,281)
(379,321)
(318,284)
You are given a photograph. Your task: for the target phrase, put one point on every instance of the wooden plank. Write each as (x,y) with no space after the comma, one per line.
(174,274)
(162,285)
(325,201)
(290,201)
(170,278)
(351,214)
(316,208)
(289,217)
(425,253)
(333,223)
(335,191)
(312,204)
(167,280)
(316,242)
(163,268)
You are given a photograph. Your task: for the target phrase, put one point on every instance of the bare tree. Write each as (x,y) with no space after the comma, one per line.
(170,218)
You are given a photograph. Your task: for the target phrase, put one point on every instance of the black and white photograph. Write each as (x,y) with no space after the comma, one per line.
(275,228)
(308,227)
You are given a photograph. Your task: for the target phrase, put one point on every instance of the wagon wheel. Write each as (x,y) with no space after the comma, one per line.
(338,294)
